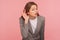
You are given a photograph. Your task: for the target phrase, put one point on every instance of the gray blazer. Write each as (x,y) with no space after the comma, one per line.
(27,32)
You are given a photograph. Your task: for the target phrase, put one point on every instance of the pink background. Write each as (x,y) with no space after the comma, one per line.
(10,11)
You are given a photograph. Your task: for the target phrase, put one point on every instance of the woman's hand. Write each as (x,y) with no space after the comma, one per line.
(25,16)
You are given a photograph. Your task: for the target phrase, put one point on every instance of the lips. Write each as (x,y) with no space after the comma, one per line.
(35,13)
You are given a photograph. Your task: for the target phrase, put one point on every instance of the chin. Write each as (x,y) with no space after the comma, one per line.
(35,16)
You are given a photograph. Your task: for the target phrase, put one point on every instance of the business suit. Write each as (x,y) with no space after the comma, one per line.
(27,32)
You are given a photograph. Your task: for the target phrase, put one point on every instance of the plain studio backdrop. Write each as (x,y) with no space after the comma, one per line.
(10,11)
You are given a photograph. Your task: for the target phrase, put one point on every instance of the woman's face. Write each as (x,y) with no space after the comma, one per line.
(33,11)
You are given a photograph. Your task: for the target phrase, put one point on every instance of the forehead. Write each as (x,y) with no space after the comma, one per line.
(33,6)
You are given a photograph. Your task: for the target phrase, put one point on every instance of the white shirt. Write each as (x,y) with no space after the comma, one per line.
(33,24)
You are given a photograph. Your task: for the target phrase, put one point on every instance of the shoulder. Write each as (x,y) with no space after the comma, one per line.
(42,18)
(21,18)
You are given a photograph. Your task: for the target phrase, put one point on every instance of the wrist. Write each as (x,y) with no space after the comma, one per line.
(26,21)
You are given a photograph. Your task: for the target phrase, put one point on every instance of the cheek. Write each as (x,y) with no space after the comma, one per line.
(32,13)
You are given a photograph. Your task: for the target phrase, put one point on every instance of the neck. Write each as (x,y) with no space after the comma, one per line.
(31,17)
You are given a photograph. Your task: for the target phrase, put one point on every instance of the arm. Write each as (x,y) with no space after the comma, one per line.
(23,27)
(42,30)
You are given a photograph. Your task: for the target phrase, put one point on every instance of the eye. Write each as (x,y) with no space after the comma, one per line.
(34,9)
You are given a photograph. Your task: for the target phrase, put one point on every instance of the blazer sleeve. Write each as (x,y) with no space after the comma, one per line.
(42,29)
(24,28)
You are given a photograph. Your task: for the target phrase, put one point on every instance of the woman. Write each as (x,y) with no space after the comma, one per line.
(31,23)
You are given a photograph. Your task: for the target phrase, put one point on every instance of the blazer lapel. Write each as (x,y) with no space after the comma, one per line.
(38,25)
(30,28)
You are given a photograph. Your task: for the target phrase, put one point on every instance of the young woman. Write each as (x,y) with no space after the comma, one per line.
(31,23)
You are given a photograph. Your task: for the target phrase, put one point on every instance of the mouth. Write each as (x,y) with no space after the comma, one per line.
(35,13)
